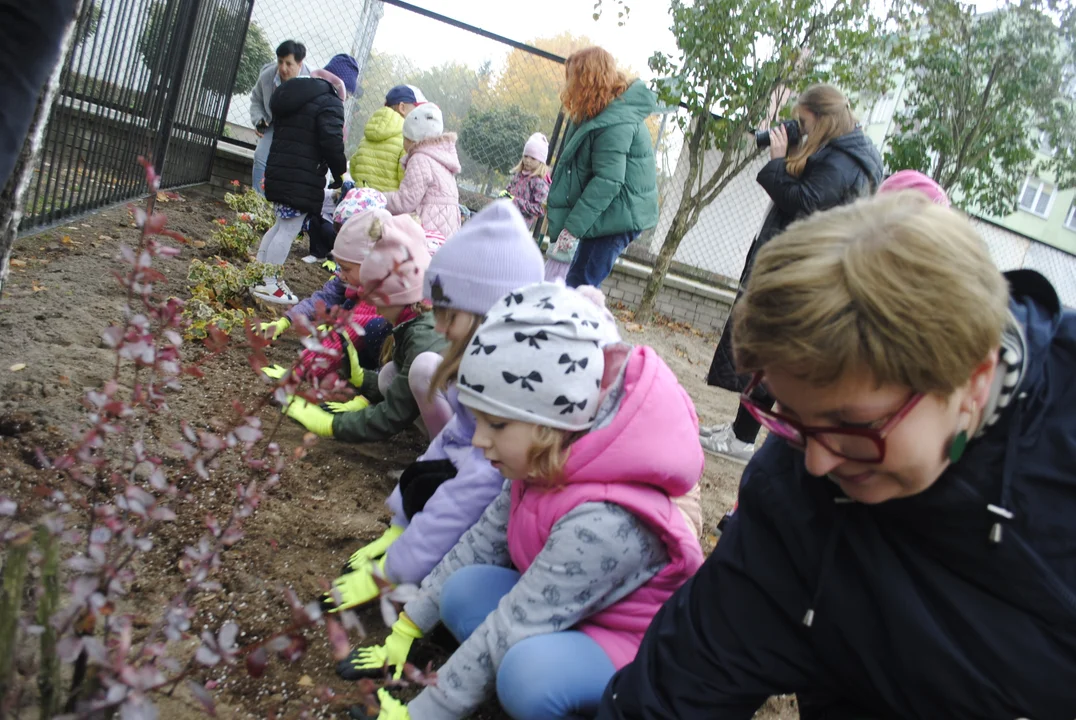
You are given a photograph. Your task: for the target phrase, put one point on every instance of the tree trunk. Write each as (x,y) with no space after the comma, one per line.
(13,197)
(685,219)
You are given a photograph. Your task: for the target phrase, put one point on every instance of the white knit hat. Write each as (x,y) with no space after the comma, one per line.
(425,121)
(538,358)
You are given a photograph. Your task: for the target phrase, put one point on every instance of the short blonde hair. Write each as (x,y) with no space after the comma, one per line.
(893,284)
(541,170)
(549,454)
(450,366)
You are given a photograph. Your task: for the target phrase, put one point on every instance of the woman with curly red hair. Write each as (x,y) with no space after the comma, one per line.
(605,189)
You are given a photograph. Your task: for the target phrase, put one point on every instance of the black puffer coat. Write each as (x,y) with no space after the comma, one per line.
(845,169)
(308,140)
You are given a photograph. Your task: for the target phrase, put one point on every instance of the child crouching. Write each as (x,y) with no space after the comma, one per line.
(596,442)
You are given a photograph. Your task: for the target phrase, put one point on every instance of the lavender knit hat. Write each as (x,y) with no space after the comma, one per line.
(490,256)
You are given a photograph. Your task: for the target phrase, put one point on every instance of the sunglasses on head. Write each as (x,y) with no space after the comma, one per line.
(860,444)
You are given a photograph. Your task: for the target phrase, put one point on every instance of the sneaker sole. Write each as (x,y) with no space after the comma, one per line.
(274,299)
(724,456)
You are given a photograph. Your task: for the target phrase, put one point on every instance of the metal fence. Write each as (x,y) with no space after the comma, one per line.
(144,77)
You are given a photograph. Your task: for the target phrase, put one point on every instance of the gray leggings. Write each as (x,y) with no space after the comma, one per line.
(276,243)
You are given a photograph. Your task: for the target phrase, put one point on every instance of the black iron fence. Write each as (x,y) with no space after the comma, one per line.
(144,77)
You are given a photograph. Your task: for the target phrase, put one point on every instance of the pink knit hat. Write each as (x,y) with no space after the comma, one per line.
(537,147)
(392,273)
(353,242)
(915,180)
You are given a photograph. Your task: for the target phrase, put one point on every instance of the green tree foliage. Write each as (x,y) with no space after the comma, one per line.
(257,52)
(88,23)
(984,89)
(739,61)
(494,138)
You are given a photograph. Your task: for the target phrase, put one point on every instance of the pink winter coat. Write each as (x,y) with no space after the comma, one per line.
(648,455)
(429,185)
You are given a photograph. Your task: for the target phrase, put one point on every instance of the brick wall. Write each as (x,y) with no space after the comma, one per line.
(702,306)
(232,162)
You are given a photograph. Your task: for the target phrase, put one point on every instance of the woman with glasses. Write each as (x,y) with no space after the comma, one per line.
(835,163)
(905,541)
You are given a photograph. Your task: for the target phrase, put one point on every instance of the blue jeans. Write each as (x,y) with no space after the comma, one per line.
(556,675)
(261,157)
(595,257)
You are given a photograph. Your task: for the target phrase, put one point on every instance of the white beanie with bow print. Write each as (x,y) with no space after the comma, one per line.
(538,358)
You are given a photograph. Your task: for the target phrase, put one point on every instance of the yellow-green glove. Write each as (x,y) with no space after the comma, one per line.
(353,405)
(277,326)
(330,265)
(506,194)
(372,661)
(310,416)
(391,709)
(274,371)
(353,362)
(374,550)
(357,587)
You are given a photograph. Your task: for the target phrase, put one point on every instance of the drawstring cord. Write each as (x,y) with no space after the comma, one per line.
(827,558)
(1001,510)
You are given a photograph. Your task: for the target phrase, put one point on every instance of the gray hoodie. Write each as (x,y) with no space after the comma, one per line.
(268,81)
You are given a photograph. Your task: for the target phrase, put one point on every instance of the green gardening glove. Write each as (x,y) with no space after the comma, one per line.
(356,370)
(356,588)
(372,661)
(374,550)
(353,405)
(274,371)
(277,327)
(330,265)
(310,416)
(391,709)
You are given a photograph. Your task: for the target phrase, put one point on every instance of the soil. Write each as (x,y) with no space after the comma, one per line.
(63,293)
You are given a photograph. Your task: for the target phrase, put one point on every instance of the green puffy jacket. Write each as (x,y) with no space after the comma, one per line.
(376,163)
(605,180)
(397,408)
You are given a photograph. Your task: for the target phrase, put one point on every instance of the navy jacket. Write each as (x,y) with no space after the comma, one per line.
(308,141)
(917,613)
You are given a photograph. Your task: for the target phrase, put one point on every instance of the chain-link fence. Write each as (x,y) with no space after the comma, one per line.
(143,77)
(493,92)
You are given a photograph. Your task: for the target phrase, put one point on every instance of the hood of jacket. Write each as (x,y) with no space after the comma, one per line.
(652,438)
(383,124)
(861,150)
(292,95)
(633,105)
(441,149)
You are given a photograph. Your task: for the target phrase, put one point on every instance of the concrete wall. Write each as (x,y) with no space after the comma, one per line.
(703,307)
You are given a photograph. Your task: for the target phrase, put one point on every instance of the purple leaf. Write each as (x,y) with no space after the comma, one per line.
(203,696)
(8,507)
(337,639)
(257,661)
(68,648)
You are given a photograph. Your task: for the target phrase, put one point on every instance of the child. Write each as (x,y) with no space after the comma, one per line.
(529,186)
(915,180)
(429,184)
(377,162)
(308,117)
(446,490)
(391,278)
(595,443)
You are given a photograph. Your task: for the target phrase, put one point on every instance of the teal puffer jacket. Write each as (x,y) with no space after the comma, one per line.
(605,180)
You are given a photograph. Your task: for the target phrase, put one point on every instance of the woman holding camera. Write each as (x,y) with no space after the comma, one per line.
(833,165)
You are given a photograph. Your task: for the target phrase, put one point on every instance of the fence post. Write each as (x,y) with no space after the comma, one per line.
(184,35)
(231,85)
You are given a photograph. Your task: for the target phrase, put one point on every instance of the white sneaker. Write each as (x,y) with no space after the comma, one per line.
(708,430)
(273,290)
(310,259)
(723,443)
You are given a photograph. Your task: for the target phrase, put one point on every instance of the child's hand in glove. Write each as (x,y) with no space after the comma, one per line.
(374,550)
(356,372)
(313,418)
(353,405)
(566,243)
(357,587)
(372,661)
(277,327)
(274,371)
(391,709)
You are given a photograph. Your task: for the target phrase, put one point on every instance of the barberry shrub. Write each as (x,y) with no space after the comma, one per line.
(70,556)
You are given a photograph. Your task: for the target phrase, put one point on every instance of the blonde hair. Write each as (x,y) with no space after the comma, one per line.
(389,346)
(894,285)
(548,455)
(541,170)
(450,367)
(834,118)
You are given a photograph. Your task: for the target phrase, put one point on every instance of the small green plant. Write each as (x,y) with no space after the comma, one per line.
(235,240)
(251,207)
(218,294)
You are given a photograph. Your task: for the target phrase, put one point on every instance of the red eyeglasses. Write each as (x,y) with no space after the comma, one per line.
(865,445)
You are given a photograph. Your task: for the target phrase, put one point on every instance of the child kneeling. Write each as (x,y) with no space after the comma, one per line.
(551,591)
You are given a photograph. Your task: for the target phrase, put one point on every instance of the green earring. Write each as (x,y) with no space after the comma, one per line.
(957,447)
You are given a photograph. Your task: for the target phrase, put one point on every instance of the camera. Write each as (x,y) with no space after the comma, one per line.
(792,127)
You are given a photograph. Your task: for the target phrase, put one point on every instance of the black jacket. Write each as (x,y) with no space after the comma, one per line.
(308,140)
(917,612)
(847,168)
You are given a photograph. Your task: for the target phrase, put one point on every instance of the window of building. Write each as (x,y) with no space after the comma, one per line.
(1037,196)
(883,109)
(1070,218)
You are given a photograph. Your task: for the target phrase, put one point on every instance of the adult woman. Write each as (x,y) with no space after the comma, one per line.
(604,190)
(289,64)
(904,544)
(835,164)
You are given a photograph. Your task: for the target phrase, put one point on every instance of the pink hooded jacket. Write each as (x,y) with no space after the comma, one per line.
(429,185)
(646,456)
